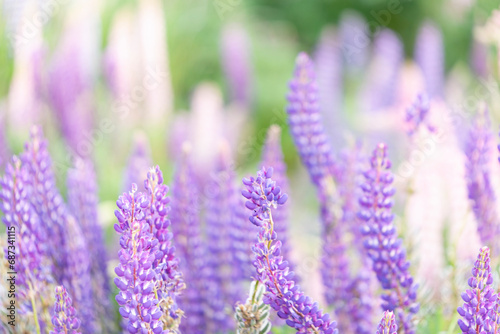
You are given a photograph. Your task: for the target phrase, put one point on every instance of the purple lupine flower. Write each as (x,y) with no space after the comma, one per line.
(272,155)
(65,319)
(355,40)
(139,162)
(187,229)
(387,324)
(236,64)
(66,245)
(492,325)
(478,152)
(417,115)
(23,225)
(169,280)
(480,299)
(360,306)
(334,265)
(429,56)
(382,246)
(137,300)
(357,309)
(328,61)
(221,288)
(68,95)
(83,201)
(282,294)
(380,89)
(305,121)
(77,273)
(243,237)
(479,59)
(46,199)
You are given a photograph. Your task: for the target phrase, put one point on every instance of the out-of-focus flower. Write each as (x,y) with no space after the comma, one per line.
(83,201)
(388,324)
(383,72)
(236,64)
(305,121)
(272,155)
(416,115)
(361,303)
(25,239)
(328,61)
(282,294)
(46,200)
(189,245)
(479,59)
(429,55)
(480,299)
(139,162)
(221,288)
(385,250)
(253,316)
(481,193)
(69,95)
(64,320)
(206,126)
(355,41)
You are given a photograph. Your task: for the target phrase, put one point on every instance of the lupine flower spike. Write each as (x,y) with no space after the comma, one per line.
(24,231)
(388,324)
(64,320)
(299,311)
(187,229)
(480,299)
(480,189)
(382,246)
(253,316)
(147,273)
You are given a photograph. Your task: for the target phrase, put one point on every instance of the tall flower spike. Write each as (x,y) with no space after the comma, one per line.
(236,63)
(221,289)
(46,199)
(334,267)
(169,282)
(253,316)
(83,201)
(480,299)
(388,324)
(66,245)
(328,60)
(305,120)
(382,246)
(136,276)
(383,72)
(478,150)
(23,226)
(68,87)
(64,319)
(429,55)
(186,227)
(273,156)
(299,311)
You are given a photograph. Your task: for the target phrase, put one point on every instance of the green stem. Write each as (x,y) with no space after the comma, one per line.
(35,315)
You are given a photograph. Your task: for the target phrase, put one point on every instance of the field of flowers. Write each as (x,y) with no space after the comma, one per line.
(250,167)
